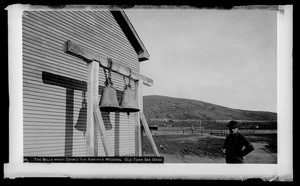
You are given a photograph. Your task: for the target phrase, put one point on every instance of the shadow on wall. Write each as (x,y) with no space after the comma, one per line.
(71,85)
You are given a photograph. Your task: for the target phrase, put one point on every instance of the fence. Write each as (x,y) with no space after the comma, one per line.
(201,131)
(213,124)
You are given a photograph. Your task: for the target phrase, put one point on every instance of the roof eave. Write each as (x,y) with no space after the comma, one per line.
(131,34)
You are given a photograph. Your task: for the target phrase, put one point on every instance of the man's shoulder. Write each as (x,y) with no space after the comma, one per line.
(241,135)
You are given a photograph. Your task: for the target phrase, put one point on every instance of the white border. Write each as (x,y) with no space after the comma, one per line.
(15,83)
(282,171)
(284,90)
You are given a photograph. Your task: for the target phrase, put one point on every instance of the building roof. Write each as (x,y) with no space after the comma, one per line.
(131,34)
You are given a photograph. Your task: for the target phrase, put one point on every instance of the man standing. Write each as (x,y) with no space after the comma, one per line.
(236,146)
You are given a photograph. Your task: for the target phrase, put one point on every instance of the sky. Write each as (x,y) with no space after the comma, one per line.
(223,57)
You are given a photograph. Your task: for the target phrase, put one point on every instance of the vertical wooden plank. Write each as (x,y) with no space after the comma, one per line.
(92,99)
(100,123)
(138,131)
(141,106)
(148,133)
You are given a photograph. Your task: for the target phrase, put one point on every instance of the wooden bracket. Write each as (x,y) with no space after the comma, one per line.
(148,133)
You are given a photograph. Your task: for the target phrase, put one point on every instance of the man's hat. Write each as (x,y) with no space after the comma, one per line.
(233,124)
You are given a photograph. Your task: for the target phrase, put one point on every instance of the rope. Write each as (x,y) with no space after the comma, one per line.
(127,85)
(124,82)
(109,71)
(108,80)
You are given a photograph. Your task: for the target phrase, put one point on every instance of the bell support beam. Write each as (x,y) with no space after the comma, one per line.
(87,55)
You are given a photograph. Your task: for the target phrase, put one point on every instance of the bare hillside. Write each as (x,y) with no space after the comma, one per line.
(162,107)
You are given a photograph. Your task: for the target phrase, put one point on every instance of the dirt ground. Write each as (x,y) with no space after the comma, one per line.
(206,148)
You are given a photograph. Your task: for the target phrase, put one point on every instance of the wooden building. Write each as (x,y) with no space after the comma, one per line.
(55,82)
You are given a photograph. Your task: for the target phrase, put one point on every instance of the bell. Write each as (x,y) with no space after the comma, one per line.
(109,101)
(81,121)
(128,103)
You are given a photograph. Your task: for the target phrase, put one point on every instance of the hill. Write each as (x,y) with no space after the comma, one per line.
(163,108)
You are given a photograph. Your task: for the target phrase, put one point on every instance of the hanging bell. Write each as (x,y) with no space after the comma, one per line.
(109,101)
(81,121)
(128,103)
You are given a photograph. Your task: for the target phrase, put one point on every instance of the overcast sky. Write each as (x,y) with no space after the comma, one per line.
(224,57)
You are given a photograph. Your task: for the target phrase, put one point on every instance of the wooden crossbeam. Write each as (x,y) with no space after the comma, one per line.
(148,133)
(87,55)
(102,130)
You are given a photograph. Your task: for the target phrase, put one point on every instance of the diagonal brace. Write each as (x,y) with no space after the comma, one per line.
(148,133)
(99,120)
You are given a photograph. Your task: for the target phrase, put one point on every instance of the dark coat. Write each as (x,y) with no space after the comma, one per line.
(234,144)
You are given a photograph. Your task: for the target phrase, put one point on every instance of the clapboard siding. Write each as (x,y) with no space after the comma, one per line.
(53,81)
(76,32)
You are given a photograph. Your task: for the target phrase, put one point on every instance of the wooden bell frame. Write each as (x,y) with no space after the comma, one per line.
(94,117)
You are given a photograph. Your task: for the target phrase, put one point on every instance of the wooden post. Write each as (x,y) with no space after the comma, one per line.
(148,133)
(92,99)
(200,125)
(192,129)
(99,121)
(138,130)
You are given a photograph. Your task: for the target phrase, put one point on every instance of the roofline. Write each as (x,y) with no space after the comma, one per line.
(131,34)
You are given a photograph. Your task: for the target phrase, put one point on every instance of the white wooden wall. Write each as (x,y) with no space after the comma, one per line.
(53,81)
